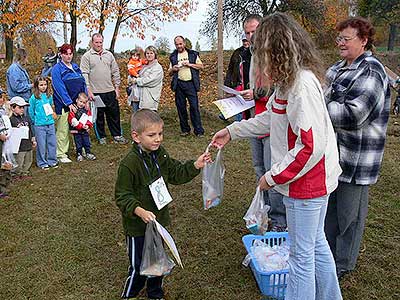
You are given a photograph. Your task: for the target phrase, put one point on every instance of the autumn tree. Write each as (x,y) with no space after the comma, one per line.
(17,16)
(310,13)
(137,15)
(162,44)
(382,12)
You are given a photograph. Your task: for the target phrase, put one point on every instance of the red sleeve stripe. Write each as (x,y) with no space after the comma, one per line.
(280,101)
(279,111)
(300,160)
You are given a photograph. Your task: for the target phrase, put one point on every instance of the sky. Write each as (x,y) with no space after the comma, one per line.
(189,28)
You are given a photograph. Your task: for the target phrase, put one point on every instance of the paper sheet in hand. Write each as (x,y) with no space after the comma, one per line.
(229,90)
(232,106)
(98,102)
(17,134)
(170,242)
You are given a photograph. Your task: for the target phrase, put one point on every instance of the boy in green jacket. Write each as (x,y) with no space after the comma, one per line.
(142,174)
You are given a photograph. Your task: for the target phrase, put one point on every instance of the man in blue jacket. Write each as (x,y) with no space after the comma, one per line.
(184,68)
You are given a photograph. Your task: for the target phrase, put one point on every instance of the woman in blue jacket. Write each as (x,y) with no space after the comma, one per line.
(18,82)
(68,82)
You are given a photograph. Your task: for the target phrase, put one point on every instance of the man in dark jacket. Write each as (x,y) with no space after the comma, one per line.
(184,68)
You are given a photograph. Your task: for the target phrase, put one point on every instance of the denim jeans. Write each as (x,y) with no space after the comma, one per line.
(46,147)
(261,152)
(135,106)
(312,272)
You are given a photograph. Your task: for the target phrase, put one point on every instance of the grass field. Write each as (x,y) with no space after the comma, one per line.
(61,235)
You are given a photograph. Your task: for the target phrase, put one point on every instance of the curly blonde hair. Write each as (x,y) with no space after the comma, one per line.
(281,49)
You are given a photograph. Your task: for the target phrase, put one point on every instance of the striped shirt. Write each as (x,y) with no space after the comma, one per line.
(358,102)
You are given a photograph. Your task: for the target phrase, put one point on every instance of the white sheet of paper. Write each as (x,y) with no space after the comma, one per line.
(17,134)
(229,90)
(47,109)
(232,106)
(98,102)
(83,119)
(170,243)
(160,193)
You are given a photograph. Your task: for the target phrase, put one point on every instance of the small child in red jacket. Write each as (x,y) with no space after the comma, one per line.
(80,123)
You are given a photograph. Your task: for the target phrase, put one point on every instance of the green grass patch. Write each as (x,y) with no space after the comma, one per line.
(61,235)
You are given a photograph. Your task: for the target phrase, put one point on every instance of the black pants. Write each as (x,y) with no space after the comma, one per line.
(112,115)
(82,141)
(135,282)
(186,89)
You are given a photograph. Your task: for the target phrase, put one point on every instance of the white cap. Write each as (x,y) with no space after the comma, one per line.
(18,101)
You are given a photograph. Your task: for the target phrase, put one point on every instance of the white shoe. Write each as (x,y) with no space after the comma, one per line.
(64,160)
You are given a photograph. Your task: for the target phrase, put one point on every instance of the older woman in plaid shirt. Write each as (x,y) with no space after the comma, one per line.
(358,101)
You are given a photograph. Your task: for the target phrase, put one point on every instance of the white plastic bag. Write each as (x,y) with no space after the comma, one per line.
(155,261)
(256,217)
(213,181)
(7,158)
(134,94)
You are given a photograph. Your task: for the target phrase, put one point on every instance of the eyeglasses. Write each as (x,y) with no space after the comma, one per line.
(344,39)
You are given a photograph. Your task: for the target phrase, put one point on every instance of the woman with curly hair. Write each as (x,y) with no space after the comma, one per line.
(305,163)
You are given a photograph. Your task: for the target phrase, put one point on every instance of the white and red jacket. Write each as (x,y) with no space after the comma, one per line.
(304,155)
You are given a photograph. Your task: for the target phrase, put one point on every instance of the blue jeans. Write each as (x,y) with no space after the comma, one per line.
(46,149)
(135,106)
(261,152)
(312,272)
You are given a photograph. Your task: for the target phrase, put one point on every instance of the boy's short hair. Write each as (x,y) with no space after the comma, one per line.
(144,118)
(83,96)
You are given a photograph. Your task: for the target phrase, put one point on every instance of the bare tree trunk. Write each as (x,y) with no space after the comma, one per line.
(220,49)
(65,28)
(9,49)
(74,33)
(115,34)
(392,36)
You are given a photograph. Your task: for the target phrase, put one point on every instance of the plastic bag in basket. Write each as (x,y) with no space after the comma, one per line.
(213,181)
(256,217)
(155,261)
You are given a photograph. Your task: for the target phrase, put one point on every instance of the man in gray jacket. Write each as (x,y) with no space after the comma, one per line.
(102,77)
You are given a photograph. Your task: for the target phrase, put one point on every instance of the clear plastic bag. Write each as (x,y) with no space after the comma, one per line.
(256,217)
(8,161)
(213,181)
(155,261)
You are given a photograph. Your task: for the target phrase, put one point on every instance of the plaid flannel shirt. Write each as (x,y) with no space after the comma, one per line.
(358,101)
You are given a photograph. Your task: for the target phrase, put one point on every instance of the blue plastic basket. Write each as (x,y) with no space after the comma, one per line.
(272,284)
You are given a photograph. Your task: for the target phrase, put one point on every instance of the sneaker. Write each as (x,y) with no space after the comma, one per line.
(199,135)
(3,195)
(79,158)
(54,166)
(45,168)
(102,141)
(120,140)
(64,160)
(185,133)
(90,156)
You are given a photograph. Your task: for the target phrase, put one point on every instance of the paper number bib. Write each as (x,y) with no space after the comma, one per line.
(160,193)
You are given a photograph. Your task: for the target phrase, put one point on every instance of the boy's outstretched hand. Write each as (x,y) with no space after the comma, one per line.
(201,161)
(145,215)
(221,138)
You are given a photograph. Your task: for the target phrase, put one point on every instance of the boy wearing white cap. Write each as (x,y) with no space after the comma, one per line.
(24,156)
